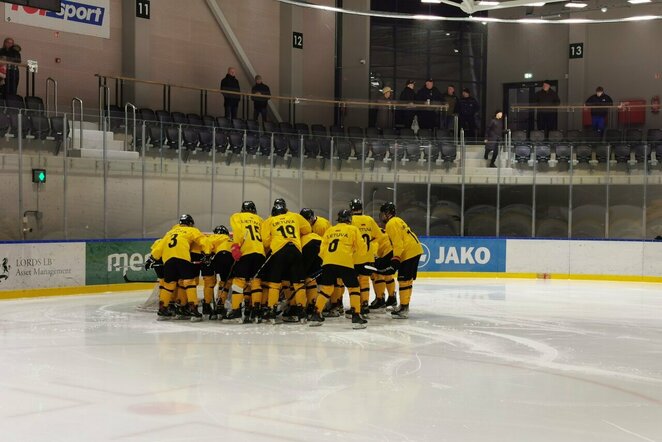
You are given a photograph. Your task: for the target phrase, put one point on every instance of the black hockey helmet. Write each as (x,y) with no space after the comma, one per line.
(356,205)
(308,214)
(345,216)
(186,220)
(387,209)
(248,206)
(278,209)
(280,201)
(221,230)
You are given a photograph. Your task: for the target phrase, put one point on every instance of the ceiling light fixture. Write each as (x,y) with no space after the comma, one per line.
(603,9)
(536,5)
(401,16)
(638,2)
(576,5)
(488,3)
(431,1)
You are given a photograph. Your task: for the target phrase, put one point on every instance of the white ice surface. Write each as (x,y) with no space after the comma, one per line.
(477,361)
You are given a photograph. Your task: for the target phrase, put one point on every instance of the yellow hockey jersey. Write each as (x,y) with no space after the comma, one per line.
(340,244)
(179,241)
(219,243)
(371,234)
(312,236)
(321,226)
(384,246)
(282,229)
(156,251)
(405,242)
(246,231)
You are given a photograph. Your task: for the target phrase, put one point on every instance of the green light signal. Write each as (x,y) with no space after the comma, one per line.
(39,176)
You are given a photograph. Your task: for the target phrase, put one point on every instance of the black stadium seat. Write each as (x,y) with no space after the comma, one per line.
(448,152)
(642,152)
(286,128)
(270,127)
(208,121)
(179,118)
(563,152)
(583,153)
(543,153)
(280,145)
(4,124)
(319,131)
(236,142)
(522,153)
(35,105)
(221,141)
(621,153)
(252,126)
(206,138)
(40,127)
(602,153)
(223,123)
(252,143)
(311,147)
(302,129)
(265,144)
(373,133)
(190,138)
(14,103)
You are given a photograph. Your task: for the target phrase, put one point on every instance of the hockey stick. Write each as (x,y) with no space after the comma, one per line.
(380,271)
(130,281)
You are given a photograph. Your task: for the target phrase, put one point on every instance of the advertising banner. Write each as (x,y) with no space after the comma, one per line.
(107,262)
(41,265)
(462,255)
(87,17)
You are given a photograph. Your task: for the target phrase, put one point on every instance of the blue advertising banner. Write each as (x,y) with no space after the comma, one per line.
(443,254)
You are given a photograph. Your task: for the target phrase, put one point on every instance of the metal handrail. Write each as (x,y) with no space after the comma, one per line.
(133,108)
(49,81)
(296,100)
(73,119)
(107,96)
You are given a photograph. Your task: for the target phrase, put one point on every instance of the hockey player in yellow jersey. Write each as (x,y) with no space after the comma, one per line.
(281,235)
(248,251)
(407,251)
(319,224)
(220,244)
(340,244)
(157,264)
(178,270)
(371,235)
(312,262)
(385,281)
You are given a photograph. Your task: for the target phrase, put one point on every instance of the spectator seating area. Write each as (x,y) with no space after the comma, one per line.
(34,122)
(629,146)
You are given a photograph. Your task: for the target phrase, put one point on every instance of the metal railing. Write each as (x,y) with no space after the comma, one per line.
(51,81)
(73,120)
(128,106)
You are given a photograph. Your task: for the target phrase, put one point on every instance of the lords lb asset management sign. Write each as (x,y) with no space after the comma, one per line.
(87,17)
(41,265)
(462,255)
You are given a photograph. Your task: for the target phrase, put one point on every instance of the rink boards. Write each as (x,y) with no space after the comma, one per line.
(61,267)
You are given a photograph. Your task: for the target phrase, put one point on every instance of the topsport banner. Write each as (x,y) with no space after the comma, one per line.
(87,17)
(462,255)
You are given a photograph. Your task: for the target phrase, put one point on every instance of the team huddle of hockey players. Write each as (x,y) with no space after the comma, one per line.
(291,267)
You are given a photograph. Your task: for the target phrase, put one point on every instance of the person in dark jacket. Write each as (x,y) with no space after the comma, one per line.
(428,94)
(259,103)
(547,97)
(493,136)
(467,108)
(231,101)
(384,114)
(599,116)
(407,98)
(11,52)
(451,100)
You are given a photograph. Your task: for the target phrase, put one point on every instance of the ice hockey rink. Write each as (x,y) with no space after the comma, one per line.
(478,360)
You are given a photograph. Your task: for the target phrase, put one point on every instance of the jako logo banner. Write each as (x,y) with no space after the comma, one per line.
(463,255)
(88,17)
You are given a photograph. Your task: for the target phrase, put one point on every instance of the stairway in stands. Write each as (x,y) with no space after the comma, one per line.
(92,143)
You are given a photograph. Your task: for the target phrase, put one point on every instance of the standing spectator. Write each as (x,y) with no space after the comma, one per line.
(493,136)
(547,97)
(599,116)
(428,94)
(3,76)
(407,98)
(467,108)
(231,102)
(259,103)
(384,118)
(11,52)
(451,100)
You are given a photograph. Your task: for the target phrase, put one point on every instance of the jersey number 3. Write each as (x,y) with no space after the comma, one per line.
(173,240)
